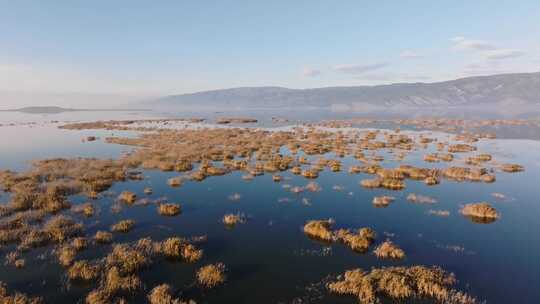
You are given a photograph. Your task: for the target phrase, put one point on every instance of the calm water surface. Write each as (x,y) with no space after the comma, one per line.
(269,259)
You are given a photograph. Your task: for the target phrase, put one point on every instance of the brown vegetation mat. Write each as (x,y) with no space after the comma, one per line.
(480,212)
(389,250)
(211,275)
(16,297)
(359,240)
(163,294)
(399,284)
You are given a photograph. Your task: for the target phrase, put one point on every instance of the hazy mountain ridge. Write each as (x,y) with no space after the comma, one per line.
(504,89)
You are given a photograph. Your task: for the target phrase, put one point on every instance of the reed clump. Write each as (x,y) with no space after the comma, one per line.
(432,158)
(169,209)
(48,184)
(212,275)
(237,120)
(84,271)
(389,250)
(33,239)
(163,294)
(111,286)
(437,157)
(296,170)
(393,184)
(359,240)
(118,270)
(123,226)
(16,297)
(371,183)
(461,148)
(478,159)
(179,248)
(418,173)
(103,237)
(431,180)
(175,181)
(396,174)
(60,228)
(127,259)
(233,219)
(310,173)
(468,174)
(127,197)
(400,284)
(20,263)
(320,229)
(481,212)
(66,255)
(511,168)
(383,201)
(277,178)
(183,166)
(87,209)
(79,243)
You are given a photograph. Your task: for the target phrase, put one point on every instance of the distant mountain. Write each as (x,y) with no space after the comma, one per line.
(18,99)
(56,110)
(481,91)
(41,110)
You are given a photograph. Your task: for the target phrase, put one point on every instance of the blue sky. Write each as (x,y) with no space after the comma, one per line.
(164,47)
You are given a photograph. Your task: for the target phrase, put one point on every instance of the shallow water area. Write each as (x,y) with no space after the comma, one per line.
(268,258)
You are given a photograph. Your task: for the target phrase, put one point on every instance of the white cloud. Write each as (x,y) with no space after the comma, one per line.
(359,68)
(394,77)
(463,44)
(410,55)
(486,49)
(309,72)
(503,54)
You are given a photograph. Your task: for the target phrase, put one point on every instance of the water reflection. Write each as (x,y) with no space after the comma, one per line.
(269,258)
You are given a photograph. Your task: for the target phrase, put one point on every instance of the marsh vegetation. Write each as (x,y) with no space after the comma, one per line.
(90,218)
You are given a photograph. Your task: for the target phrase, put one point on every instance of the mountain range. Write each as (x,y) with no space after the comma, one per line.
(503,90)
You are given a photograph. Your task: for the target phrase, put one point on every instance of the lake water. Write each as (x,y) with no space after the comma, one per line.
(269,259)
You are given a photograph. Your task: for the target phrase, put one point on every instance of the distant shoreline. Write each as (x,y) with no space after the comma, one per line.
(56,110)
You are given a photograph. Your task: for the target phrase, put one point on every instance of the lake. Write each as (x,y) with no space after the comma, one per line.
(268,258)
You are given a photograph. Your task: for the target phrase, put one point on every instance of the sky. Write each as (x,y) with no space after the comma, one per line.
(153,48)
